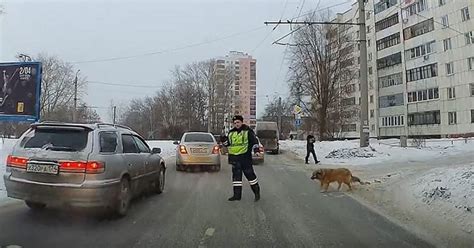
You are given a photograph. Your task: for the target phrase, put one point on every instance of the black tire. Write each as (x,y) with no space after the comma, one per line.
(35,205)
(124,197)
(159,183)
(179,167)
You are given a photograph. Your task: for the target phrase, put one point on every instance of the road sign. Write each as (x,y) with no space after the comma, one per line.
(297,109)
(298,122)
(20,88)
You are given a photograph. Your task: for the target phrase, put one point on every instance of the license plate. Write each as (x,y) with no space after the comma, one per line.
(199,150)
(43,168)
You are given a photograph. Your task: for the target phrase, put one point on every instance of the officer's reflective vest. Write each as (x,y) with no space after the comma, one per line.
(239,142)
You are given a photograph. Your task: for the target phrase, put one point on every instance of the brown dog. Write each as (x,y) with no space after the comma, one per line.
(340,175)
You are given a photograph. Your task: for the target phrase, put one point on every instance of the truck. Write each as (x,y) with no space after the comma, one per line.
(268,133)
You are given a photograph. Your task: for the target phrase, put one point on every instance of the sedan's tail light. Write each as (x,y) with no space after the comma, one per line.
(90,167)
(17,162)
(182,149)
(215,150)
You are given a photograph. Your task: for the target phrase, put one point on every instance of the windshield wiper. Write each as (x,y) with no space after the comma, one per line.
(61,148)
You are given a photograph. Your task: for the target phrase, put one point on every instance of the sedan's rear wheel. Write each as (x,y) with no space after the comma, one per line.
(123,198)
(35,205)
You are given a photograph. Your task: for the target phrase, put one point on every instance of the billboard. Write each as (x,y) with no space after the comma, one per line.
(20,88)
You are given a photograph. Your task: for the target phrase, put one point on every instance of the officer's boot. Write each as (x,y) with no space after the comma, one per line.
(237,194)
(256,191)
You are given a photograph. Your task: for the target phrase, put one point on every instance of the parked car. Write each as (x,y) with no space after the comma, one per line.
(258,153)
(197,149)
(268,133)
(82,165)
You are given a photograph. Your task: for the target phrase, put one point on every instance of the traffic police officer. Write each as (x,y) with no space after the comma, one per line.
(240,142)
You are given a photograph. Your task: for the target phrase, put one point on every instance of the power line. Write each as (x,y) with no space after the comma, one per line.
(166,50)
(126,85)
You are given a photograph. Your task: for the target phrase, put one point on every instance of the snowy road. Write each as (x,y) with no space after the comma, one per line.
(194,212)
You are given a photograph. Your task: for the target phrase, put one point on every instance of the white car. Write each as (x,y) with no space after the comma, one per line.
(197,149)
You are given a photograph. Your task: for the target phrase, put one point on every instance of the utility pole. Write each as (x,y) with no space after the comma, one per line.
(74,112)
(279,114)
(364,105)
(115,114)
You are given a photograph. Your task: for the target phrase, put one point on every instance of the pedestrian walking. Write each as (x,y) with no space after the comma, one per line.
(310,149)
(291,136)
(240,142)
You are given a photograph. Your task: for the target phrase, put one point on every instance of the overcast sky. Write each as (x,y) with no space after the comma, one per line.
(187,31)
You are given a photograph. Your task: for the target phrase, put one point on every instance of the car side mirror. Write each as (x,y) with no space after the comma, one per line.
(156,150)
(176,143)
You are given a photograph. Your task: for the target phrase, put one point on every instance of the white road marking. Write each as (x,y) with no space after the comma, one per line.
(207,234)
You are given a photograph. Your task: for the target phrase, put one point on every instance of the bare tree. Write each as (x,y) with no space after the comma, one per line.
(322,67)
(57,91)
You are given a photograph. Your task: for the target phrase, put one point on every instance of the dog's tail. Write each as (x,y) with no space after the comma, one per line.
(356,179)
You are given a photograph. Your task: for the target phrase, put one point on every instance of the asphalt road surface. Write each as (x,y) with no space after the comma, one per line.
(194,212)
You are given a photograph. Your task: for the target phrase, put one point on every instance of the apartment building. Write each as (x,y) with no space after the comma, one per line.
(236,89)
(420,68)
(425,67)
(352,128)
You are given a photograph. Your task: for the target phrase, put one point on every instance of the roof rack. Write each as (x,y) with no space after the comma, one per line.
(113,125)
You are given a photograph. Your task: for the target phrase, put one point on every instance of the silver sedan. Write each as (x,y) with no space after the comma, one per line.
(197,149)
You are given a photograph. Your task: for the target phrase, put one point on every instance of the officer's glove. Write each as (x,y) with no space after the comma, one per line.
(226,143)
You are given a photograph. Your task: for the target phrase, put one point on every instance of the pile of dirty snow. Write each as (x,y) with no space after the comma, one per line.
(348,153)
(448,192)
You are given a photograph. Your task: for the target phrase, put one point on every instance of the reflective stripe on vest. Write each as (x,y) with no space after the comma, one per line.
(239,142)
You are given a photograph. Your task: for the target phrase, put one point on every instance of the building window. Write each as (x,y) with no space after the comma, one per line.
(445,21)
(424,118)
(442,2)
(423,95)
(349,128)
(348,101)
(370,70)
(391,100)
(383,5)
(415,8)
(469,38)
(390,80)
(368,29)
(368,43)
(465,14)
(418,29)
(367,15)
(451,93)
(470,63)
(387,22)
(423,72)
(452,118)
(449,68)
(388,41)
(372,127)
(420,50)
(369,57)
(447,44)
(371,99)
(471,86)
(392,121)
(372,113)
(472,115)
(357,34)
(390,60)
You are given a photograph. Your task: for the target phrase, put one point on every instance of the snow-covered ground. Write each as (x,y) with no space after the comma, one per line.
(430,190)
(168,149)
(347,152)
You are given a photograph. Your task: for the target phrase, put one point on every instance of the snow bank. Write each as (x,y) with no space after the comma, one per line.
(168,149)
(447,192)
(348,151)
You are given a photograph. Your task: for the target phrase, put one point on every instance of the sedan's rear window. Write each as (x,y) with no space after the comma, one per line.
(56,139)
(198,137)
